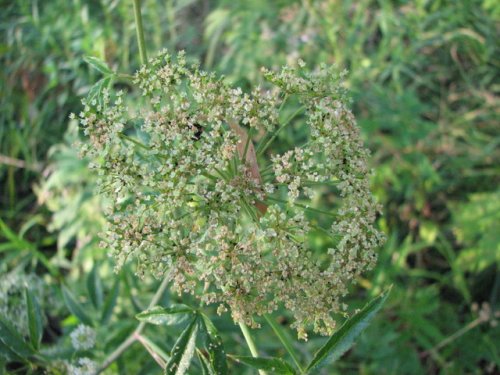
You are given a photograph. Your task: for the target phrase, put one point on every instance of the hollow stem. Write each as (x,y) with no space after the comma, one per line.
(250,343)
(140,31)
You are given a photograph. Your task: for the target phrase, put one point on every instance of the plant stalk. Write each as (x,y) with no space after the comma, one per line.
(136,333)
(250,343)
(140,32)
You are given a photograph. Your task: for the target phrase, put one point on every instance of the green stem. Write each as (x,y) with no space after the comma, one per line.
(263,146)
(456,335)
(136,333)
(140,31)
(250,343)
(285,341)
(304,207)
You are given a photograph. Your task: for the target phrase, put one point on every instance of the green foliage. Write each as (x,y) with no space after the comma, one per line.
(165,316)
(13,342)
(424,81)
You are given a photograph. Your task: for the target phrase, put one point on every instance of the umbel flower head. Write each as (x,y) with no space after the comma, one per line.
(195,192)
(83,337)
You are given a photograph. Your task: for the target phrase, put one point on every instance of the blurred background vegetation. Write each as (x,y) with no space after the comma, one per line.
(425,81)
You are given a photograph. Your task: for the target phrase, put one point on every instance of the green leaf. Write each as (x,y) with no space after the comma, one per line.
(98,65)
(344,338)
(183,350)
(206,366)
(165,315)
(272,364)
(13,340)
(21,245)
(94,287)
(96,91)
(7,354)
(215,347)
(35,323)
(75,307)
(110,302)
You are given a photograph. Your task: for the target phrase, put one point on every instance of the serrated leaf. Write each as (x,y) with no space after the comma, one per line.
(35,321)
(165,315)
(183,350)
(75,307)
(98,65)
(272,364)
(94,287)
(215,346)
(110,302)
(344,338)
(13,340)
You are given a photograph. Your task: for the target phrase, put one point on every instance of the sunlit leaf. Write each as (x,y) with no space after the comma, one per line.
(166,315)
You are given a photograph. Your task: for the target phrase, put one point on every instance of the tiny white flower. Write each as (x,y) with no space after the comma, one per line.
(83,337)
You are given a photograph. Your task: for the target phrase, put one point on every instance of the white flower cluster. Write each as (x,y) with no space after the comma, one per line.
(195,191)
(83,366)
(83,337)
